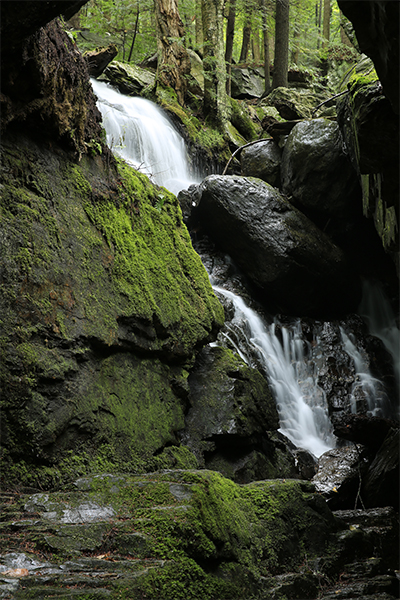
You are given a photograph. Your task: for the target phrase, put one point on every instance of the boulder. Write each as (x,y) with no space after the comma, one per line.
(97,60)
(262,160)
(362,429)
(232,421)
(284,255)
(128,79)
(339,476)
(316,171)
(246,83)
(292,103)
(196,71)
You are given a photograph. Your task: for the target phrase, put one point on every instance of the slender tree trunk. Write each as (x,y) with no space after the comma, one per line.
(266,45)
(215,106)
(199,28)
(319,18)
(281,58)
(173,59)
(134,35)
(326,21)
(255,42)
(245,42)
(230,34)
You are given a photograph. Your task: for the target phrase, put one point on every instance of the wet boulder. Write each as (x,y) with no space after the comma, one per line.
(262,160)
(317,172)
(292,103)
(285,256)
(339,476)
(97,60)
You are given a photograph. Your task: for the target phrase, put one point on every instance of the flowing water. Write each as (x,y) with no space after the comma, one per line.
(280,350)
(142,134)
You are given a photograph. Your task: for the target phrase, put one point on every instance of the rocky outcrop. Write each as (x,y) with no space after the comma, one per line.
(232,420)
(376,25)
(285,256)
(104,303)
(169,535)
(370,131)
(317,173)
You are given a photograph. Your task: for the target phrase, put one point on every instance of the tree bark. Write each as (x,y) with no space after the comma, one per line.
(230,34)
(245,42)
(173,59)
(215,107)
(281,58)
(326,21)
(199,28)
(266,46)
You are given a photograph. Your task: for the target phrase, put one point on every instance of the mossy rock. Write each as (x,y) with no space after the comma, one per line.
(104,303)
(175,535)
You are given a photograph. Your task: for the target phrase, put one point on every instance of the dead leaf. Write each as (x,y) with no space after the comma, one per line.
(15,573)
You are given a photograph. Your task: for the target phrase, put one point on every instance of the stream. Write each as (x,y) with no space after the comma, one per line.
(141,133)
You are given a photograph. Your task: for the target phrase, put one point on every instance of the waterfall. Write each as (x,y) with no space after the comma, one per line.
(142,134)
(301,404)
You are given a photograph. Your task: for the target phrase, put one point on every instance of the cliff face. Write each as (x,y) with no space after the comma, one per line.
(103,299)
(103,304)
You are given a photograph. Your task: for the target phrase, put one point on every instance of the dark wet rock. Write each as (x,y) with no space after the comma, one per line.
(262,160)
(339,475)
(286,257)
(316,172)
(376,26)
(295,585)
(97,60)
(381,482)
(362,429)
(231,412)
(128,79)
(370,131)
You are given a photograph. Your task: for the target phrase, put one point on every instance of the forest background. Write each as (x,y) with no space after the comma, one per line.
(278,35)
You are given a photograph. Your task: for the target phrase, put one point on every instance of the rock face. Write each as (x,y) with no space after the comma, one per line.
(316,172)
(231,416)
(287,258)
(247,82)
(103,304)
(371,133)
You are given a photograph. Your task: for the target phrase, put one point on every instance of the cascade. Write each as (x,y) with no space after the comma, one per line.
(301,404)
(142,134)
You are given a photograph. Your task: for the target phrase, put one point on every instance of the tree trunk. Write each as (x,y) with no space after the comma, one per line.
(245,42)
(173,59)
(255,42)
(281,58)
(215,106)
(326,21)
(266,45)
(199,28)
(134,35)
(230,34)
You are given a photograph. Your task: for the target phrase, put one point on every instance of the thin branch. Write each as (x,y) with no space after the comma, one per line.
(326,101)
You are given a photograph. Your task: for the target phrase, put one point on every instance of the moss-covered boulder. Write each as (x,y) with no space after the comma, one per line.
(103,304)
(175,535)
(128,79)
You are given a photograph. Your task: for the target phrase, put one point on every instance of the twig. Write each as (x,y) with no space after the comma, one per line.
(326,101)
(240,149)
